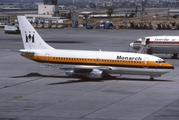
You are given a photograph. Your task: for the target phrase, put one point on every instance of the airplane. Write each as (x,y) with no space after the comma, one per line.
(89,64)
(158,44)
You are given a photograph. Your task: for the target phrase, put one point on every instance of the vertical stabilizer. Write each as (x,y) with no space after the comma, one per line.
(31,39)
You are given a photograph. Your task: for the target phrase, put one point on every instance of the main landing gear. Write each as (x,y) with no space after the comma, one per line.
(151,78)
(175,56)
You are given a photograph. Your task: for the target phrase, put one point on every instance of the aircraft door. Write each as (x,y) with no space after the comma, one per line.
(147,41)
(97,60)
(47,57)
(146,62)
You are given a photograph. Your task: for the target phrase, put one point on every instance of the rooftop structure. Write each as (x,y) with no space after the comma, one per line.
(48,7)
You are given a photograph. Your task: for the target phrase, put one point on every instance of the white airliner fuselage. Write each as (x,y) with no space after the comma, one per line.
(92,64)
(159,44)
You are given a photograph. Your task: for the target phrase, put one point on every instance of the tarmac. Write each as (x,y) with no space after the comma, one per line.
(29,91)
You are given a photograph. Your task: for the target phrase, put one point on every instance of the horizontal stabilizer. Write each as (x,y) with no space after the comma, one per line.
(27,52)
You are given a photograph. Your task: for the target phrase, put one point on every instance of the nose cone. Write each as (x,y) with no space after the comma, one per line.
(171,66)
(168,67)
(164,68)
(131,45)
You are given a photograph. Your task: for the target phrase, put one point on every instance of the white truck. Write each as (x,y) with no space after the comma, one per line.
(11,30)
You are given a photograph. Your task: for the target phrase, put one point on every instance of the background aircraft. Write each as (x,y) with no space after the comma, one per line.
(157,44)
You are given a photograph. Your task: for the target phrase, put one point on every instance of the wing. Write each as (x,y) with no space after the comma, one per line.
(82,70)
(77,67)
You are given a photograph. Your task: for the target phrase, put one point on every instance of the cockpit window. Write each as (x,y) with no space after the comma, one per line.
(159,61)
(138,41)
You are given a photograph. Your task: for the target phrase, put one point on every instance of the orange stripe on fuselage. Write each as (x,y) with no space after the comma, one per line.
(93,61)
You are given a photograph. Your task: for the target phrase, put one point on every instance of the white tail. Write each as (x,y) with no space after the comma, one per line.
(31,39)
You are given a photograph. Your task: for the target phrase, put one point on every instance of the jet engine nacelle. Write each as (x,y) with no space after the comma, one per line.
(95,73)
(70,72)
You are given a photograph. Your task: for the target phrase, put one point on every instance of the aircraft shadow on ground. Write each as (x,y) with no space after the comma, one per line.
(84,79)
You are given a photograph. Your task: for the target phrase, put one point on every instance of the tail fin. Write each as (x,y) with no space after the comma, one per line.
(31,39)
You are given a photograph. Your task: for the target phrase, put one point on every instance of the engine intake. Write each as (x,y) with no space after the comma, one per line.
(95,73)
